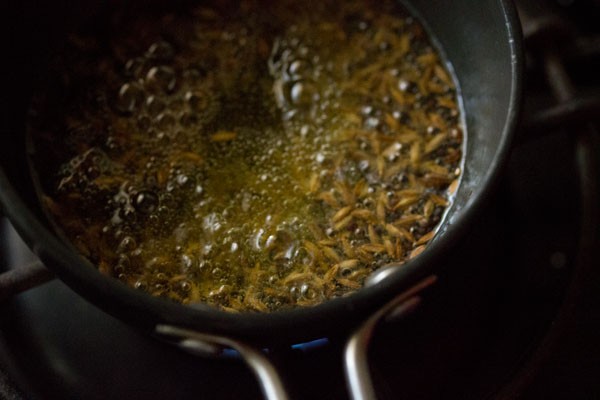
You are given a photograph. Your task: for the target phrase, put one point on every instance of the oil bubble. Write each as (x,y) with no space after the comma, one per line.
(134,67)
(194,75)
(161,78)
(164,121)
(372,123)
(188,119)
(303,256)
(141,284)
(161,51)
(154,105)
(131,95)
(185,181)
(127,244)
(144,122)
(195,100)
(405,85)
(146,202)
(298,68)
(303,93)
(307,291)
(186,286)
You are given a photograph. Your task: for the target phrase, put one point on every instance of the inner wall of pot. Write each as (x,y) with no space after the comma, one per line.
(474,40)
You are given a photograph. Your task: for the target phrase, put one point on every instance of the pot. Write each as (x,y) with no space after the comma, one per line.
(482,43)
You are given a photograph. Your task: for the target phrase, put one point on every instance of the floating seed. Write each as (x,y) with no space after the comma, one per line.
(330,253)
(341,214)
(426,238)
(373,236)
(393,231)
(223,136)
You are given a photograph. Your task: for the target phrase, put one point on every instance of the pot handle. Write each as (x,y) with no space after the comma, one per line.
(25,277)
(356,367)
(201,343)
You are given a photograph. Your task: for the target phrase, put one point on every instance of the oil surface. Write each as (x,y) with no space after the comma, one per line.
(252,156)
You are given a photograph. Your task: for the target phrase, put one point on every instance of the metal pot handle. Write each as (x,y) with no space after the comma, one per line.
(203,344)
(25,277)
(356,366)
(355,355)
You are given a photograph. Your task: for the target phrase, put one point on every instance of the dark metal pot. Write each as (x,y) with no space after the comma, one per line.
(480,39)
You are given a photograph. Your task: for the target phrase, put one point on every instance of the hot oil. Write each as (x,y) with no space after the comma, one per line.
(258,157)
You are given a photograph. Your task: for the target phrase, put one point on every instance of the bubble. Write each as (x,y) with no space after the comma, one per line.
(161,276)
(195,100)
(303,256)
(188,119)
(367,110)
(364,165)
(395,151)
(154,105)
(146,202)
(404,85)
(221,292)
(165,121)
(303,93)
(270,241)
(131,95)
(217,272)
(161,51)
(211,223)
(194,75)
(282,246)
(144,123)
(186,261)
(141,284)
(128,243)
(124,261)
(186,286)
(134,67)
(185,181)
(295,292)
(372,122)
(304,130)
(112,143)
(307,291)
(298,68)
(384,46)
(161,78)
(129,215)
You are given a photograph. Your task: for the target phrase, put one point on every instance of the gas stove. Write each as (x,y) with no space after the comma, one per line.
(516,317)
